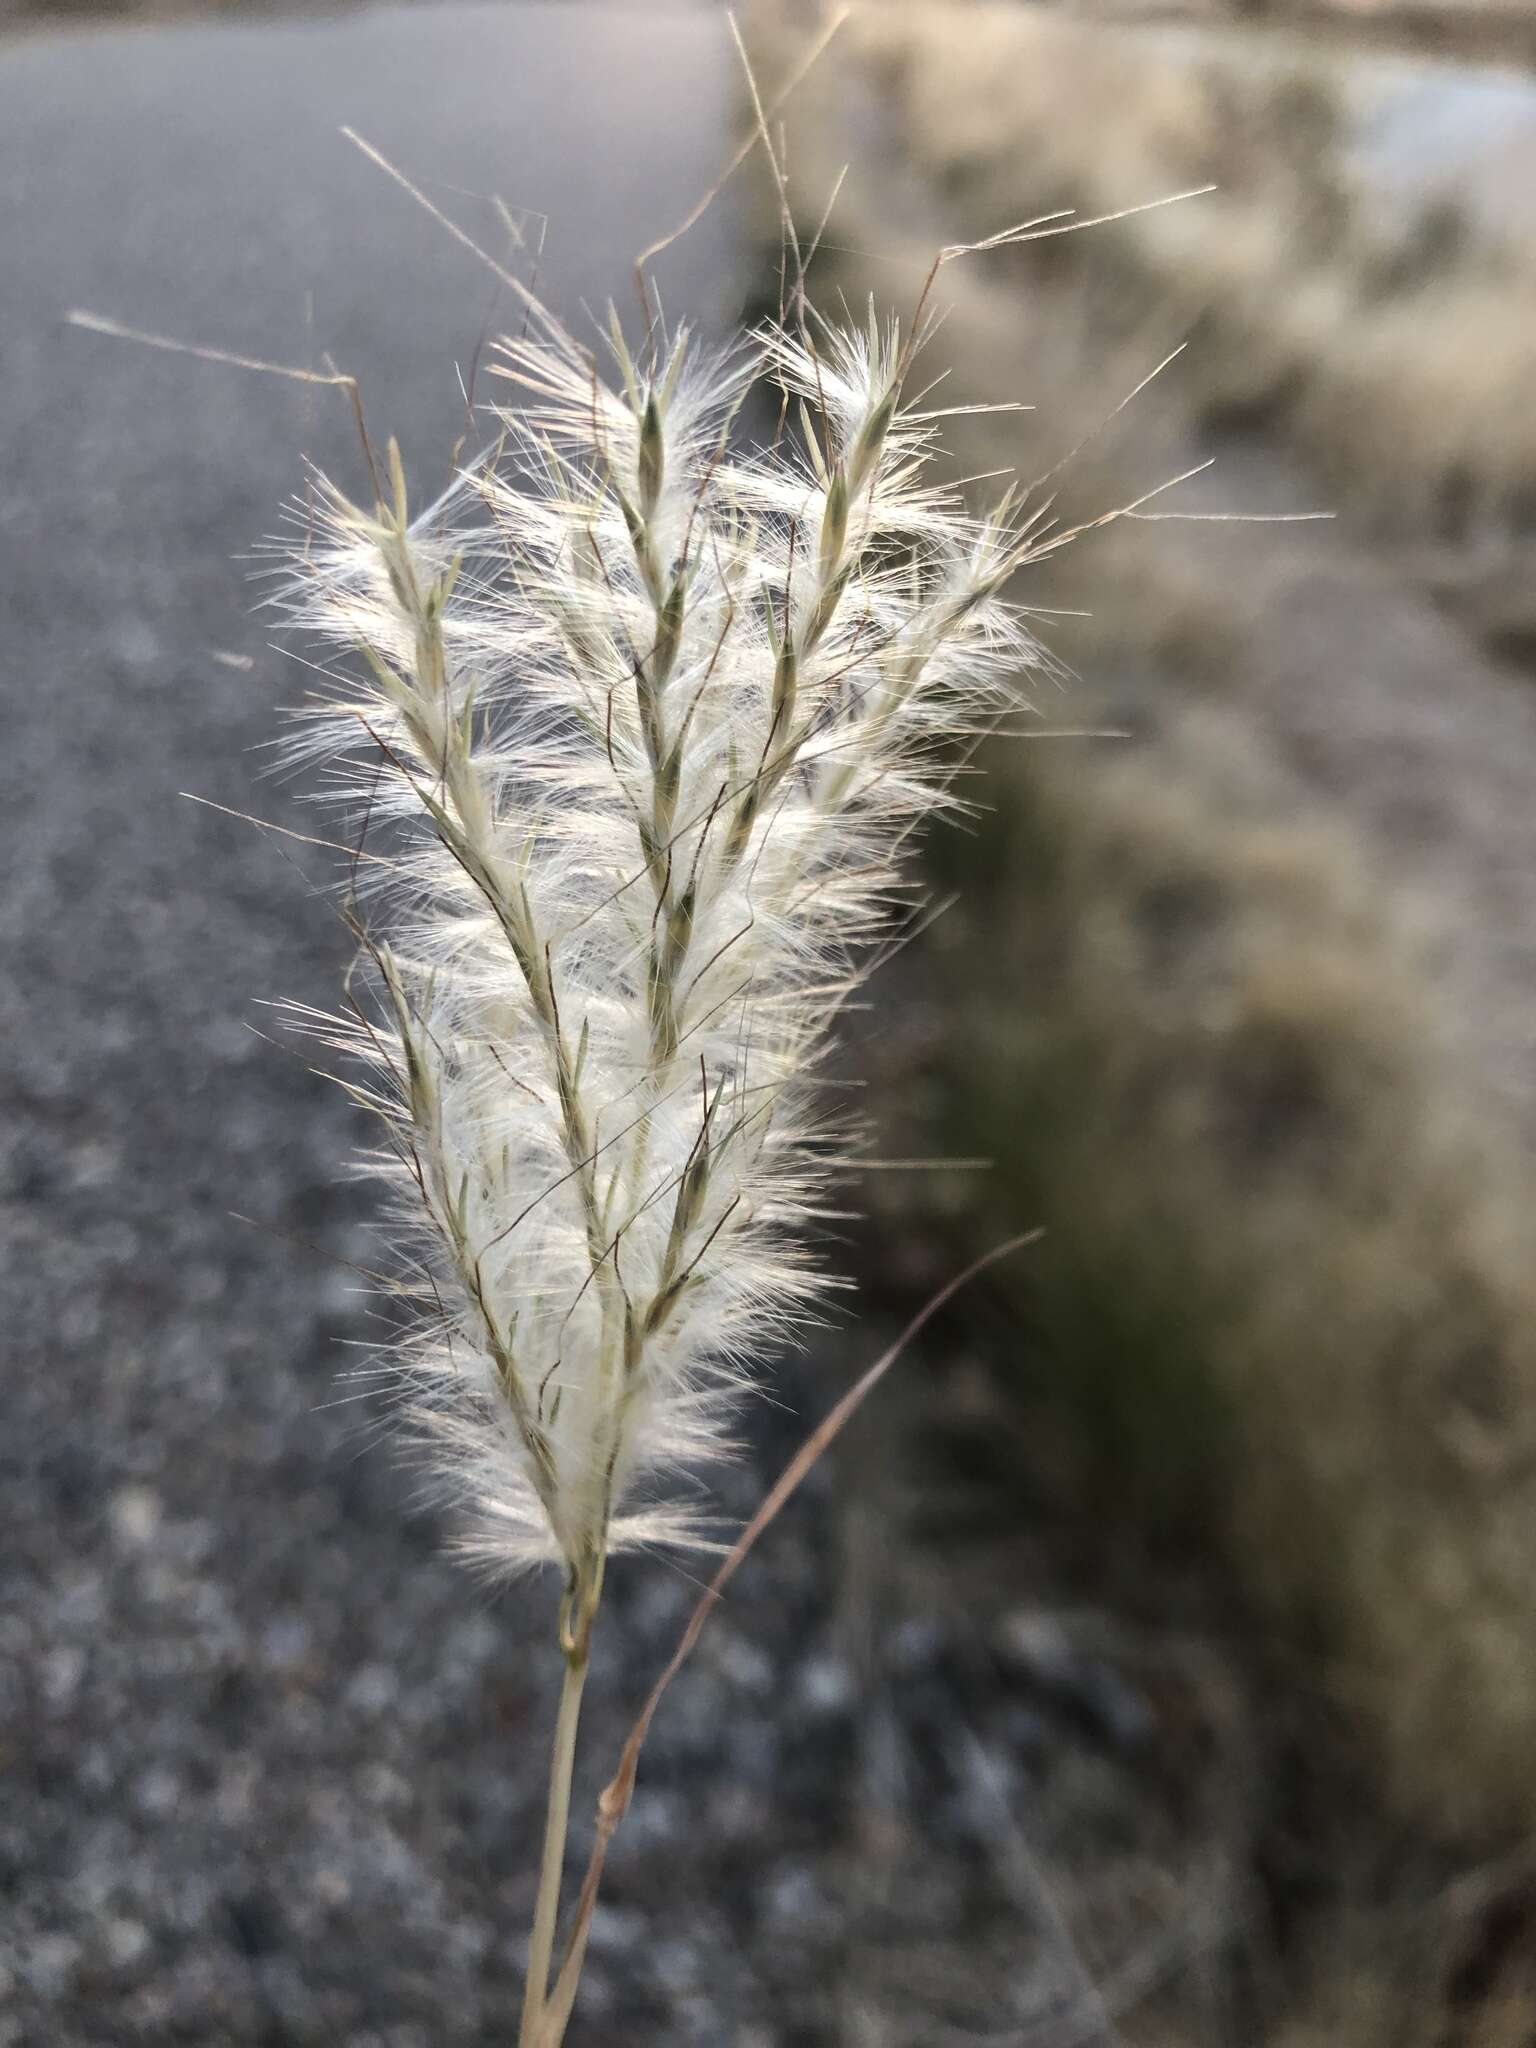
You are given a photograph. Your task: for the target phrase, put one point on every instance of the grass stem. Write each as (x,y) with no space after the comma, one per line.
(532,2033)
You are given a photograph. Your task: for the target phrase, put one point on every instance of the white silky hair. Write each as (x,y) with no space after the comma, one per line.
(633,733)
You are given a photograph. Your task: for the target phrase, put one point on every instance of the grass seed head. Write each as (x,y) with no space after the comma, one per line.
(635,723)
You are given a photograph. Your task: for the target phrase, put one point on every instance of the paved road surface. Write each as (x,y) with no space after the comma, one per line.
(268,1763)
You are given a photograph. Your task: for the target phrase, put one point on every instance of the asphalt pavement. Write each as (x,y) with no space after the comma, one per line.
(270,1763)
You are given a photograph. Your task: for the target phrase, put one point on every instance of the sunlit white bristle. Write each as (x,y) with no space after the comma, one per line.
(629,730)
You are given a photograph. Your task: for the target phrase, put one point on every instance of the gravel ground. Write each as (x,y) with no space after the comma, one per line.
(272,1766)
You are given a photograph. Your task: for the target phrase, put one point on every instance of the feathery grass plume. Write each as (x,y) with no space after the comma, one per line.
(647,721)
(655,718)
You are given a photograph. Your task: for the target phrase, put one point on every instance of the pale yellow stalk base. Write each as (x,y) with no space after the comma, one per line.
(541,2028)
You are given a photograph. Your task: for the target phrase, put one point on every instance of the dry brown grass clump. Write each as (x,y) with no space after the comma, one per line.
(1280,1284)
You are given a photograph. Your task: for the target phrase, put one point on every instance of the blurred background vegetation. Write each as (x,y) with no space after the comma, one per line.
(1240,1002)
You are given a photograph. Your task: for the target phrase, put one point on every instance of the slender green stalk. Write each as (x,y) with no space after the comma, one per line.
(541,1949)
